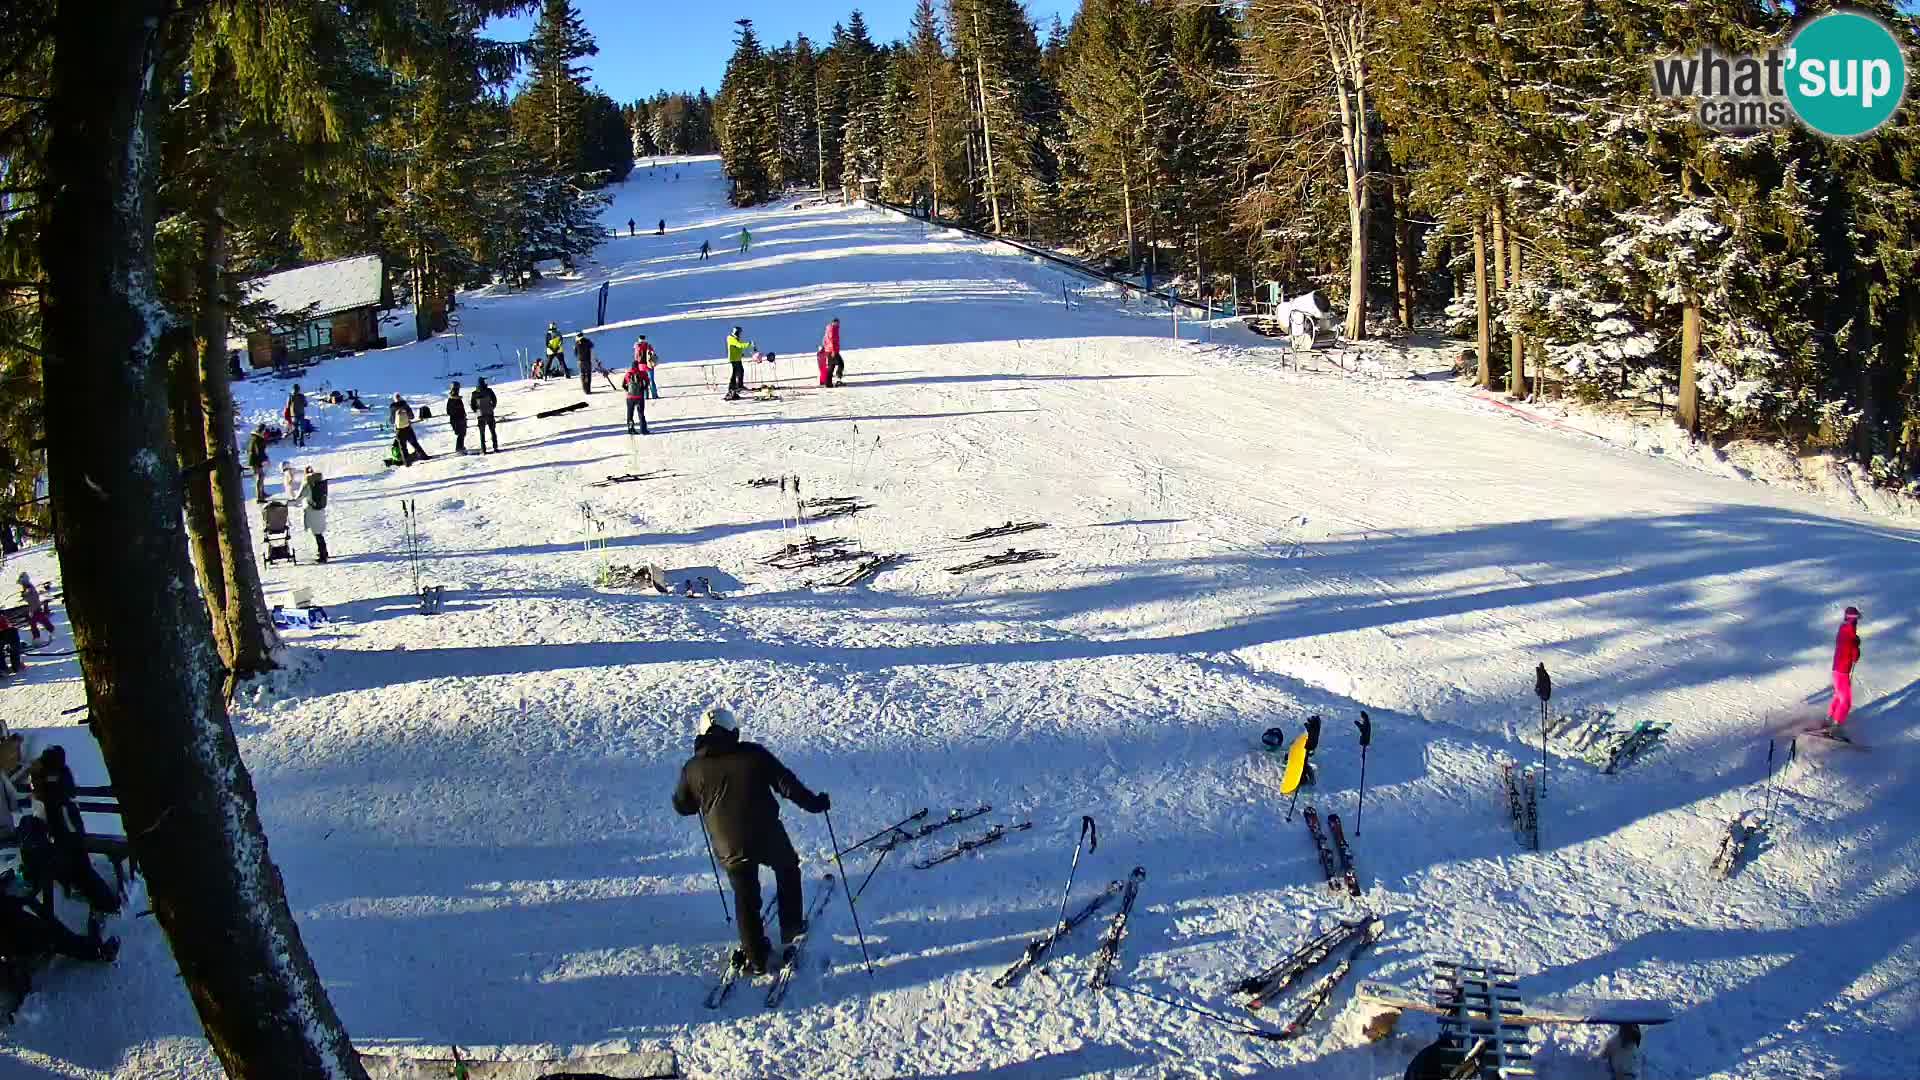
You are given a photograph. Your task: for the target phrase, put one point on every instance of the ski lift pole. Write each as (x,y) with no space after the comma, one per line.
(1087,829)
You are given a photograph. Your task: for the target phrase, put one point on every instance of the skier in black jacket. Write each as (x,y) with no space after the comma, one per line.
(731,784)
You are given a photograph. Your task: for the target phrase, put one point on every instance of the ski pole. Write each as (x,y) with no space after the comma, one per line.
(714,862)
(1086,829)
(1543,688)
(1365,724)
(844,885)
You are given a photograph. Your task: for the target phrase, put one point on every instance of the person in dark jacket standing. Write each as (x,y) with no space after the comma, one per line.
(635,384)
(583,355)
(483,400)
(731,785)
(314,495)
(457,418)
(257,461)
(297,415)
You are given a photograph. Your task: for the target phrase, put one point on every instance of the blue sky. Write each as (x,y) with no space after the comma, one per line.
(684,44)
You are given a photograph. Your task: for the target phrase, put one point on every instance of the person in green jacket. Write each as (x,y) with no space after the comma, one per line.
(736,354)
(746,238)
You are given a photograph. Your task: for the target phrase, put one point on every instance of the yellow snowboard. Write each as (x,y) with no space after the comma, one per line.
(1296,765)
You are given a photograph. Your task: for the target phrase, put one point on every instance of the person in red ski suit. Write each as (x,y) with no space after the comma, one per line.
(832,368)
(1846,653)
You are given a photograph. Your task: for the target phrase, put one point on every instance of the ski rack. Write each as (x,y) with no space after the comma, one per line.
(1483,1010)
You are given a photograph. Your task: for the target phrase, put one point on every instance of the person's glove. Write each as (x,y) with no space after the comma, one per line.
(823,803)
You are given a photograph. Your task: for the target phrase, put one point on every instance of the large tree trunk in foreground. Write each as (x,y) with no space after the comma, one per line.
(141,631)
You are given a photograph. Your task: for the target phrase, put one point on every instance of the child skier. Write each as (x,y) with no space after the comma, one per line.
(731,784)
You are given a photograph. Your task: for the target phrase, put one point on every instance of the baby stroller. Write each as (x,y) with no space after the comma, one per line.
(278,532)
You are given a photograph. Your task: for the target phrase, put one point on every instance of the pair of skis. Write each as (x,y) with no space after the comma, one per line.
(1010,557)
(1523,802)
(1011,528)
(789,964)
(1264,987)
(862,571)
(1038,949)
(810,544)
(1336,860)
(992,836)
(1107,956)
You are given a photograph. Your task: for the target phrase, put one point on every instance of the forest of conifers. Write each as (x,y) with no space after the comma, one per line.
(1430,155)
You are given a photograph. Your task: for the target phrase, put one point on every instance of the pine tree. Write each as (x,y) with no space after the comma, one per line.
(551,112)
(746,120)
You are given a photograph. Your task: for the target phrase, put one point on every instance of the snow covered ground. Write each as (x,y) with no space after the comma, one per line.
(470,808)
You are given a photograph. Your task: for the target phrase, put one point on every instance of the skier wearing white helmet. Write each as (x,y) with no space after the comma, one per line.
(731,785)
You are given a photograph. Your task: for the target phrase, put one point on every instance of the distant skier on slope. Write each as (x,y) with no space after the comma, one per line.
(662,231)
(1846,653)
(746,239)
(629,226)
(706,250)
(731,785)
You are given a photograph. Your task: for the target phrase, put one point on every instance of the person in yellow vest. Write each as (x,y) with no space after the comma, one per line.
(736,355)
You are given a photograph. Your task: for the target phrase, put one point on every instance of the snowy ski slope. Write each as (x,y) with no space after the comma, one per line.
(470,809)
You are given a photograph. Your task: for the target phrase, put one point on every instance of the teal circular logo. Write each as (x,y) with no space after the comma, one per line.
(1846,74)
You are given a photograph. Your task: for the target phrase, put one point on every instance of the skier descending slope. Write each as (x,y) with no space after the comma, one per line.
(731,785)
(1846,653)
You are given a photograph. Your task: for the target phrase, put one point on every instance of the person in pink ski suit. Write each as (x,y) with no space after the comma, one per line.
(1846,653)
(831,366)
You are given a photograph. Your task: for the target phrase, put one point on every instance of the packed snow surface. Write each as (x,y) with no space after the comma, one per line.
(471,807)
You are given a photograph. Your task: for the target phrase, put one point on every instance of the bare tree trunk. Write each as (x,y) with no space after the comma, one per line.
(1499,243)
(1480,301)
(1403,268)
(1350,88)
(986,131)
(142,636)
(1516,371)
(190,435)
(247,618)
(1126,210)
(1687,412)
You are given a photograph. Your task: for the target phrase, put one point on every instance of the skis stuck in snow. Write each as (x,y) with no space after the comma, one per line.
(805,547)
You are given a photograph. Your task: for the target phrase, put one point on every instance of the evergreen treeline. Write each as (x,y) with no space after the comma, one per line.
(1506,162)
(670,124)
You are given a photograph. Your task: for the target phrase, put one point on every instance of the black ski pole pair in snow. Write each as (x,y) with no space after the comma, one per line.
(1543,689)
(1365,724)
